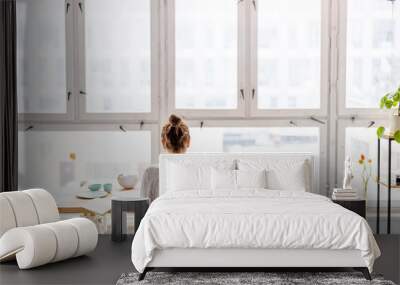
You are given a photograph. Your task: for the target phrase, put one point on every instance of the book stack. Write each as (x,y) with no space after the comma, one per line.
(344,194)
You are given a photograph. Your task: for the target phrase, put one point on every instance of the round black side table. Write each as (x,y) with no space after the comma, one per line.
(119,207)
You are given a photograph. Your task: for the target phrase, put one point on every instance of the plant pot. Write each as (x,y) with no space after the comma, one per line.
(394,124)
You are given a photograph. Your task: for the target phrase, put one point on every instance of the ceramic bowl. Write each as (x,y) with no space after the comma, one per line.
(94,187)
(127,181)
(107,187)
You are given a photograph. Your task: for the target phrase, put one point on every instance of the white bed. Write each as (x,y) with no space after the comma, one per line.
(202,220)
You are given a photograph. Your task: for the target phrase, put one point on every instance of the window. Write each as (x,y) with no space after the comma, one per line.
(206,54)
(373,51)
(41,56)
(289,54)
(254,139)
(65,162)
(118,56)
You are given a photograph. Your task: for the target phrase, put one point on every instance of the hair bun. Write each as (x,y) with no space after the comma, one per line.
(174,119)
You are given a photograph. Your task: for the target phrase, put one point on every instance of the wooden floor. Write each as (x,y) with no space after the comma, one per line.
(110,260)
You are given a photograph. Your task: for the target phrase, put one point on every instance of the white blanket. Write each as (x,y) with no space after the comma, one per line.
(250,219)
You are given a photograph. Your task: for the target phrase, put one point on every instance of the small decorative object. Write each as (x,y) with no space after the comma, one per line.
(92,194)
(366,172)
(389,101)
(348,174)
(94,187)
(397,180)
(107,187)
(127,181)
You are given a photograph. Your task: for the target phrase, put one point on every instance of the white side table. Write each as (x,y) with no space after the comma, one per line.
(120,204)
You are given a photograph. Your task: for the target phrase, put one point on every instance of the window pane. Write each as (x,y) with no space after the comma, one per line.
(289,54)
(206,54)
(364,141)
(255,139)
(41,67)
(61,161)
(118,56)
(373,51)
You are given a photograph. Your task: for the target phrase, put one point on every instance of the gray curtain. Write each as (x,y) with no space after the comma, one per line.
(8,98)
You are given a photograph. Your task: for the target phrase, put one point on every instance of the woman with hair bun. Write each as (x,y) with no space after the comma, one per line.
(175,136)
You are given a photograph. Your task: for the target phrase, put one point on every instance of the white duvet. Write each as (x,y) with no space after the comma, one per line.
(250,219)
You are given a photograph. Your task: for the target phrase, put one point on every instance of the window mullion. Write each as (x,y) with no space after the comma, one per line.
(252,58)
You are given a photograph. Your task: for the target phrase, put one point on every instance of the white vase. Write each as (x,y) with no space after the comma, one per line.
(394,124)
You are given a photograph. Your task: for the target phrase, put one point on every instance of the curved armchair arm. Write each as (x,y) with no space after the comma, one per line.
(32,246)
(40,244)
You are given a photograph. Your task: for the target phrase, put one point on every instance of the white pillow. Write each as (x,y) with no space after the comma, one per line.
(183,177)
(282,174)
(251,178)
(223,179)
(292,179)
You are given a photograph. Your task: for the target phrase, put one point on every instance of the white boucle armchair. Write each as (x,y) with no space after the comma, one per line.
(31,230)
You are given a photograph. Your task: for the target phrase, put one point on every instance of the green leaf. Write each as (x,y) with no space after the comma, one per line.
(380,131)
(389,104)
(397,136)
(396,97)
(383,101)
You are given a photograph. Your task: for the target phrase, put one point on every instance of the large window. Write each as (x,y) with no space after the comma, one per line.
(258,75)
(217,67)
(206,54)
(289,54)
(373,51)
(118,56)
(41,56)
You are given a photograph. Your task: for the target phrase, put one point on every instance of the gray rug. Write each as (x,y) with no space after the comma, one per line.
(269,278)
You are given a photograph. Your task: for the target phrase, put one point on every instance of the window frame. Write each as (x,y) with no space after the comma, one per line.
(242,7)
(342,70)
(326,32)
(131,117)
(69,54)
(75,73)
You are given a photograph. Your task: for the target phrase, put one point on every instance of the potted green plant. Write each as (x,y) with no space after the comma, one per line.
(391,101)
